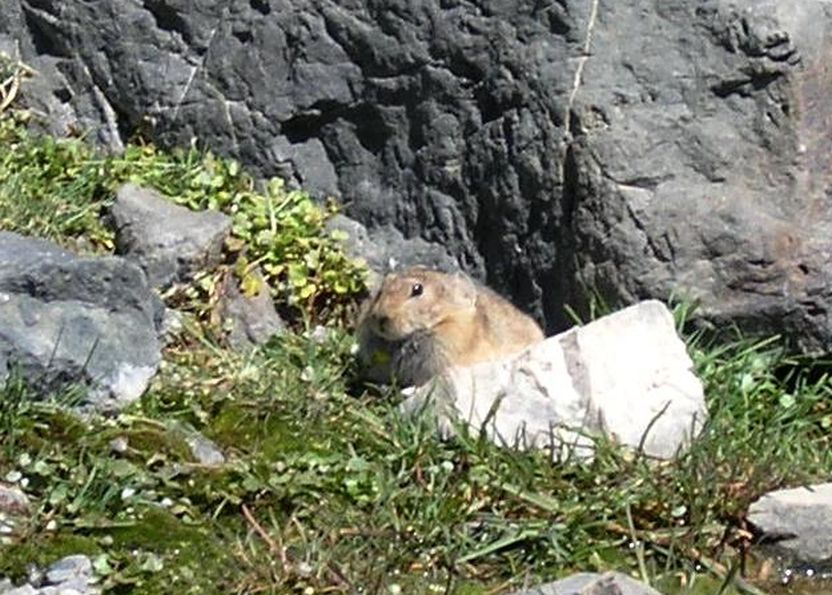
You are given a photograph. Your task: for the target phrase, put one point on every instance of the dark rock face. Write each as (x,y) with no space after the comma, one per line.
(66,320)
(385,249)
(680,147)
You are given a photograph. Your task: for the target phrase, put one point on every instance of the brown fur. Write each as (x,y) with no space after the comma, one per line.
(452,322)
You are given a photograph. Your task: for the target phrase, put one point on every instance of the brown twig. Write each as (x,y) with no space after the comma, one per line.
(333,573)
(690,552)
(11,86)
(8,90)
(273,547)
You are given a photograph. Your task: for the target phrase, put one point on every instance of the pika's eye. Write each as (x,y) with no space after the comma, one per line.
(416,290)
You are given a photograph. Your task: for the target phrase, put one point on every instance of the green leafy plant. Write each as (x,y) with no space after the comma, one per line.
(60,188)
(279,230)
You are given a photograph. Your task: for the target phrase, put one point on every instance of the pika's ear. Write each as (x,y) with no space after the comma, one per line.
(462,291)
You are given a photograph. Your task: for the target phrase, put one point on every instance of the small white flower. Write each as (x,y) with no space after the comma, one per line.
(119,444)
(319,334)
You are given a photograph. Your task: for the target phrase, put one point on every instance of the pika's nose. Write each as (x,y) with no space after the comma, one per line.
(382,322)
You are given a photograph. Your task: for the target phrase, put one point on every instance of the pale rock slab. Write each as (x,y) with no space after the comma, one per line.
(71,575)
(797,521)
(592,583)
(626,375)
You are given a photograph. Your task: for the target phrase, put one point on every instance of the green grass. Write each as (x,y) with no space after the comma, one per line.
(327,488)
(354,495)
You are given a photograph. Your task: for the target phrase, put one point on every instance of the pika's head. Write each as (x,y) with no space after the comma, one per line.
(418,300)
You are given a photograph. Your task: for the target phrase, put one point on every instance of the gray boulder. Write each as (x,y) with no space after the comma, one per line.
(637,150)
(249,320)
(797,522)
(627,376)
(592,583)
(168,241)
(65,320)
(71,575)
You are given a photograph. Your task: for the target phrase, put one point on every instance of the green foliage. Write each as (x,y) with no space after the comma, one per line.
(51,188)
(59,189)
(280,230)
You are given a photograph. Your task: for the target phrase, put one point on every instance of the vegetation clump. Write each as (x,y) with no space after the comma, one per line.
(59,188)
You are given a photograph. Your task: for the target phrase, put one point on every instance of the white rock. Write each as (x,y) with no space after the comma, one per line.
(13,500)
(626,375)
(797,521)
(592,583)
(22,590)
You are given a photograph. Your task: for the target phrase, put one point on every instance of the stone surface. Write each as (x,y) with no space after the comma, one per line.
(249,320)
(204,450)
(591,583)
(88,322)
(633,149)
(67,569)
(15,514)
(22,590)
(13,500)
(626,375)
(798,522)
(71,575)
(168,241)
(173,325)
(385,249)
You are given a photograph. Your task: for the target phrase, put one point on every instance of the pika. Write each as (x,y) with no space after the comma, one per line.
(422,321)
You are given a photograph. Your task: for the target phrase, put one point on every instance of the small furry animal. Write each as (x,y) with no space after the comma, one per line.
(422,321)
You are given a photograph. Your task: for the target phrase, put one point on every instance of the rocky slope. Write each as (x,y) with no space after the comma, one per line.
(641,150)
